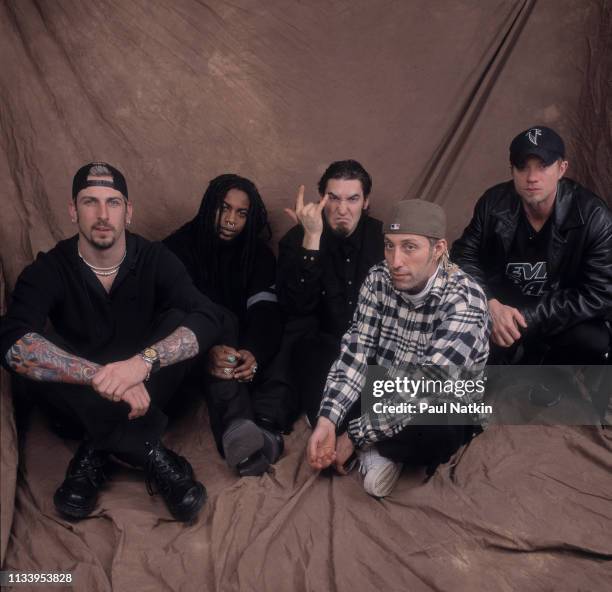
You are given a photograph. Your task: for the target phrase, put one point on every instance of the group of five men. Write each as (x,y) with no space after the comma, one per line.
(133,322)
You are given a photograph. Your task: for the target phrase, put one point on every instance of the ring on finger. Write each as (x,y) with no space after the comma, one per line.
(254,369)
(231,358)
(227,371)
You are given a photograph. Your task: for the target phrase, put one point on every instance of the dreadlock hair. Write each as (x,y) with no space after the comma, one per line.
(207,229)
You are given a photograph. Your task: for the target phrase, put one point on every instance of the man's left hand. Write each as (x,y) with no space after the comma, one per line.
(112,380)
(344,451)
(247,366)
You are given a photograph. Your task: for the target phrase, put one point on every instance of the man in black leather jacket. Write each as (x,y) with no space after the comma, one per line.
(541,248)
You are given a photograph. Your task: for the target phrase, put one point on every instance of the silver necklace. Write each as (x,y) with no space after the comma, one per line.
(103,271)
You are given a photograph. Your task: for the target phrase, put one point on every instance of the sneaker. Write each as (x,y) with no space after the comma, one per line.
(172,476)
(542,395)
(241,440)
(380,474)
(76,497)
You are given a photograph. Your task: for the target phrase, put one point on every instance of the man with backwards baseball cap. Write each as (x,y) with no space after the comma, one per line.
(124,314)
(415,308)
(541,248)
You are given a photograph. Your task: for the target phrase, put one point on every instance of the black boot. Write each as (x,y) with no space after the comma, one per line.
(241,440)
(259,463)
(76,497)
(274,445)
(173,477)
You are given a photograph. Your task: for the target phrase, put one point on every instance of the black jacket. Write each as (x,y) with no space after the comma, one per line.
(105,327)
(579,254)
(325,283)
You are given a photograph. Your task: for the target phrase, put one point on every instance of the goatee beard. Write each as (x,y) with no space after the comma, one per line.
(341,231)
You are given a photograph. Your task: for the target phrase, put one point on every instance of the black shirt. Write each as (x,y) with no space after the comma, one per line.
(326,283)
(526,275)
(104,327)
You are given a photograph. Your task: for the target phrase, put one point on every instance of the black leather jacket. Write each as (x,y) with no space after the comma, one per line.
(579,254)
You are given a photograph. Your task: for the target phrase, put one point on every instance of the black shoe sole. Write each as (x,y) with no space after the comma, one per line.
(70,511)
(191,513)
(255,466)
(241,440)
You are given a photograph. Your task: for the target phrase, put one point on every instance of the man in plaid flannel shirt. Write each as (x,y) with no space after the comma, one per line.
(414,308)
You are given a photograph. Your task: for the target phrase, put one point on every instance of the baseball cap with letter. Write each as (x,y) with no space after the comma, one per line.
(539,141)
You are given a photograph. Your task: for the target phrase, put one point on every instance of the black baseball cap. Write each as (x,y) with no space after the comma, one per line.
(539,141)
(80,180)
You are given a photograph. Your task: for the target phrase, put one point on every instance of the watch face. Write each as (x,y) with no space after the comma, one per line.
(150,353)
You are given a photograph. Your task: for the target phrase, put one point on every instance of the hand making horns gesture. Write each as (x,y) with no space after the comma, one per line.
(310,216)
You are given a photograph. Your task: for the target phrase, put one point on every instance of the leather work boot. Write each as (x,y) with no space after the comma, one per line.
(172,476)
(76,497)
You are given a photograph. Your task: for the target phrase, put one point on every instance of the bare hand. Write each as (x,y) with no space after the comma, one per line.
(310,216)
(344,451)
(247,366)
(222,361)
(138,399)
(321,448)
(113,380)
(506,323)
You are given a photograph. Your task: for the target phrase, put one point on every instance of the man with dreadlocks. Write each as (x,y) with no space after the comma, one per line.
(224,249)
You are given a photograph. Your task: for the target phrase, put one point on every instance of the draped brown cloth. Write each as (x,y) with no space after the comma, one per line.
(427,95)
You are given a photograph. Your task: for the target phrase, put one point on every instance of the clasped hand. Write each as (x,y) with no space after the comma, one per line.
(124,381)
(228,363)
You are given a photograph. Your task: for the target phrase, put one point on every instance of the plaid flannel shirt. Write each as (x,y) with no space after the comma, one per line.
(451,327)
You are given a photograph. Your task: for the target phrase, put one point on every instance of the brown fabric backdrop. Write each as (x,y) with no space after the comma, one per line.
(427,96)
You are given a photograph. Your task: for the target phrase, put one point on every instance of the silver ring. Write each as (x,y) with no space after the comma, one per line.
(227,371)
(232,224)
(231,358)
(254,368)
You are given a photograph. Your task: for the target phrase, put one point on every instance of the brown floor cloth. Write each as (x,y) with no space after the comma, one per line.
(519,508)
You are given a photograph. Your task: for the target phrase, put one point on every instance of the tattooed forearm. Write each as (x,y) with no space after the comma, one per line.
(180,345)
(38,359)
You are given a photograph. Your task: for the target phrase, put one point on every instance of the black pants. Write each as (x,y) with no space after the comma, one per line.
(105,424)
(266,400)
(429,445)
(584,343)
(312,357)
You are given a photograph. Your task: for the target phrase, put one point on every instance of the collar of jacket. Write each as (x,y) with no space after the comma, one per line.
(566,215)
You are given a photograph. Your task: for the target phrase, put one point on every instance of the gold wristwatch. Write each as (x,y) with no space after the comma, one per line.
(150,355)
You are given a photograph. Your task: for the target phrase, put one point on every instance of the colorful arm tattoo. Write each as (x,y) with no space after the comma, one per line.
(180,345)
(38,359)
